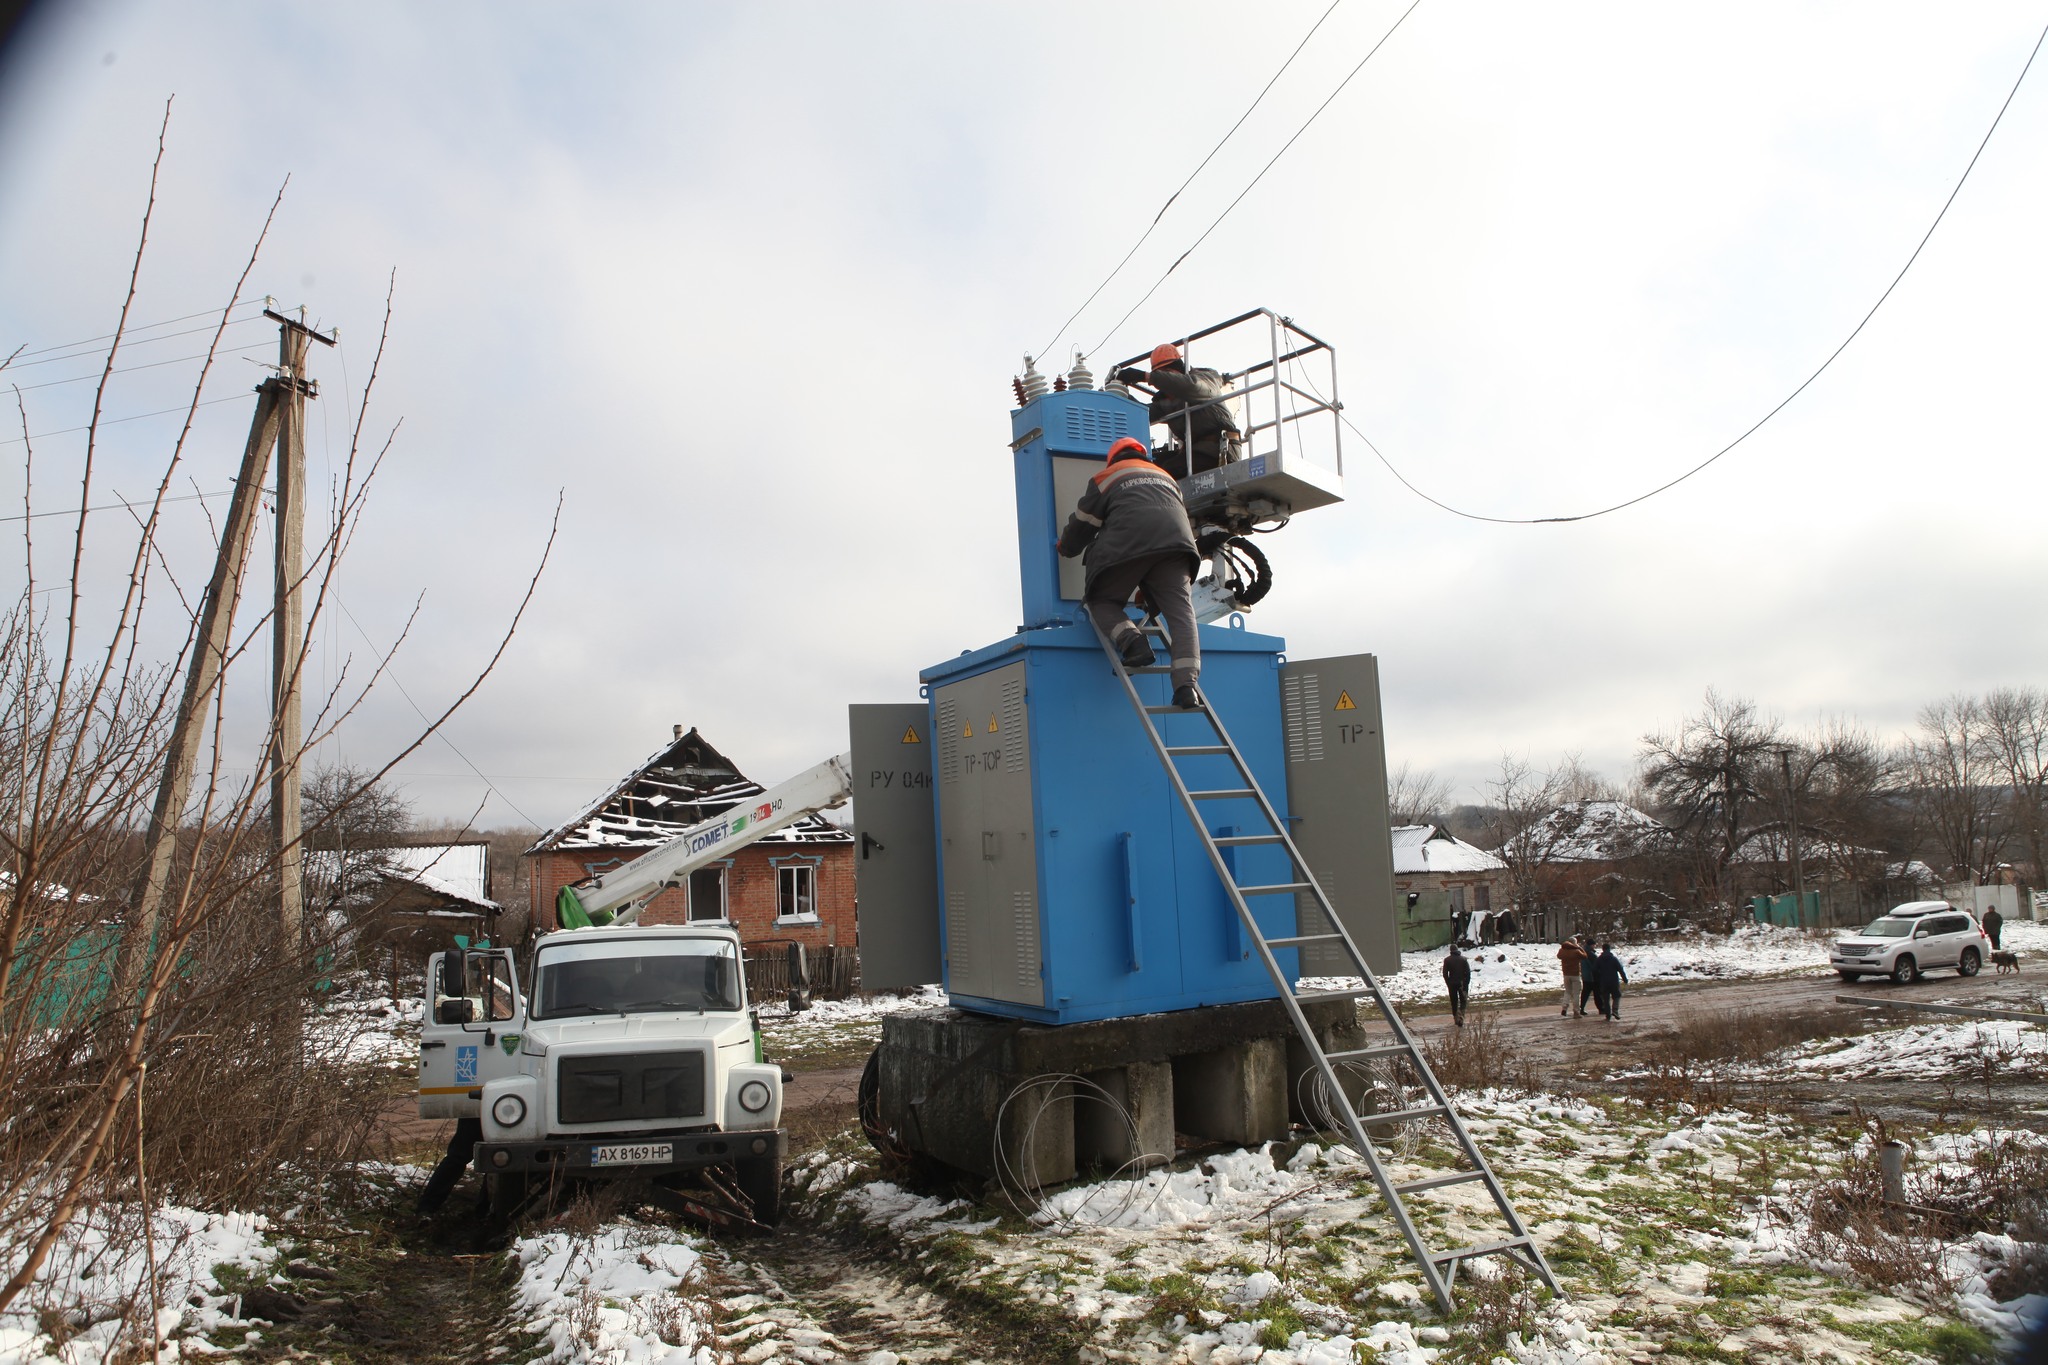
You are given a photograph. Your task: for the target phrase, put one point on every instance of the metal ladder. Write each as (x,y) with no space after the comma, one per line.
(1439,1268)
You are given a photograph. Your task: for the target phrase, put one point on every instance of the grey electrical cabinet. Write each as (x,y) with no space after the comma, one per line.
(1337,795)
(895,871)
(987,841)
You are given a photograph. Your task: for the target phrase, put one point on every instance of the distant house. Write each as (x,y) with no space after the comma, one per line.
(401,901)
(1440,879)
(1590,865)
(1610,832)
(794,884)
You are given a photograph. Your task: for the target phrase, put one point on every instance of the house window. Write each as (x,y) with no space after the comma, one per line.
(707,893)
(796,893)
(1482,897)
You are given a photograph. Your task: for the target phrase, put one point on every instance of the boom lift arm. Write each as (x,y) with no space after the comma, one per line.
(618,896)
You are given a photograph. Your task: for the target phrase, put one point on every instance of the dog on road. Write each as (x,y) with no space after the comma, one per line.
(2006,960)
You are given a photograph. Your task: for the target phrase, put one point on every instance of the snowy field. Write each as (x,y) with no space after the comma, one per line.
(1754,950)
(1676,1235)
(362,1025)
(73,1313)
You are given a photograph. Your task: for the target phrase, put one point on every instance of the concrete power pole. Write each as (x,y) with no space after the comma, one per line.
(210,648)
(288,630)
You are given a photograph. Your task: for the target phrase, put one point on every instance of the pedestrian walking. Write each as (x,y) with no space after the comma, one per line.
(1458,980)
(1993,922)
(1611,974)
(1571,956)
(1592,977)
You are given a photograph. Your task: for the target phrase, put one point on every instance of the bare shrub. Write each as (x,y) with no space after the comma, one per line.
(1480,1057)
(153,991)
(1695,1062)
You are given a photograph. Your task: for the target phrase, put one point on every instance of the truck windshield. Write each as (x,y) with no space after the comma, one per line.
(617,977)
(1889,928)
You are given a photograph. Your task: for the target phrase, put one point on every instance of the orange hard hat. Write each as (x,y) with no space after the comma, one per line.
(1128,445)
(1164,354)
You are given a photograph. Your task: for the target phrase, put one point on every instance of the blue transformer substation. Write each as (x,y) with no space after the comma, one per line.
(1058,879)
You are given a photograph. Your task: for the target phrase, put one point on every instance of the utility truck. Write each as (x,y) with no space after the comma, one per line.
(623,1051)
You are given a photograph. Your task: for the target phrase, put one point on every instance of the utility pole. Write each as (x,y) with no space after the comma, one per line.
(1792,825)
(276,397)
(288,631)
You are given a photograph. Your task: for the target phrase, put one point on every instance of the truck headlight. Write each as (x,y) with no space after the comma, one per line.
(754,1096)
(508,1111)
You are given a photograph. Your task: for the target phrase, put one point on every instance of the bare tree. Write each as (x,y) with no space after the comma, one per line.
(1416,796)
(1706,779)
(1521,797)
(85,725)
(1956,782)
(2016,730)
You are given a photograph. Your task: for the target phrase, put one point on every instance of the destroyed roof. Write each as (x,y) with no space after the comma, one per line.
(1592,832)
(1420,849)
(682,784)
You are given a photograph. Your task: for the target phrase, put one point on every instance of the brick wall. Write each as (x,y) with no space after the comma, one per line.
(750,891)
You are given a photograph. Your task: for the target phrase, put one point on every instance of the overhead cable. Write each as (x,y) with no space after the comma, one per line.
(1784,402)
(128,343)
(1146,235)
(130,369)
(263,302)
(115,421)
(1260,176)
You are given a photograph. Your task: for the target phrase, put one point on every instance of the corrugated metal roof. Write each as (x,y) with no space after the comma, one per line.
(1422,849)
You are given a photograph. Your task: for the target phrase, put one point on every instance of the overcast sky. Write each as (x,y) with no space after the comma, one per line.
(746,284)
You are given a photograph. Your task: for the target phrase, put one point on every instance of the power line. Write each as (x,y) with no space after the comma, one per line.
(263,302)
(129,343)
(1783,403)
(438,734)
(1146,235)
(117,506)
(116,421)
(130,369)
(1260,176)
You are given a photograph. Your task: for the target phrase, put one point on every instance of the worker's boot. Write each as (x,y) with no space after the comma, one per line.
(1187,699)
(1136,651)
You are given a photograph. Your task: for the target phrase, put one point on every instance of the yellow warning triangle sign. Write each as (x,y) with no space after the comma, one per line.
(1344,703)
(967,730)
(991,722)
(910,735)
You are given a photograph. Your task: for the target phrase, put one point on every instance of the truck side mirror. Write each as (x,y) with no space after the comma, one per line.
(455,1010)
(451,978)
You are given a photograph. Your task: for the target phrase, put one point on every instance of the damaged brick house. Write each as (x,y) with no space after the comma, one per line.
(793,885)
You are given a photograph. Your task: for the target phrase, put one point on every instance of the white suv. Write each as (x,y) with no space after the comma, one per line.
(1908,939)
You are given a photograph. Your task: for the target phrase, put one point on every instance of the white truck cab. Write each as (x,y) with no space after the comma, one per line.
(633,1055)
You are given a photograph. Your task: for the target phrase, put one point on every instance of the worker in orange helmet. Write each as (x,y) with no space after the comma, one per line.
(1190,405)
(1134,528)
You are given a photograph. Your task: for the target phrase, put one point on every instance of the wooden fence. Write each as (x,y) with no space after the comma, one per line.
(833,970)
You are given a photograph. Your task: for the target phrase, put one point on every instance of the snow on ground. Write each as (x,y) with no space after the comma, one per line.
(366,1027)
(1753,950)
(626,1294)
(1674,1232)
(854,1020)
(94,1287)
(1519,968)
(1961,1048)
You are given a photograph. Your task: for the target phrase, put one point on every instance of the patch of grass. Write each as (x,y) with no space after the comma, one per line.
(1946,1343)
(1124,1282)
(1282,1322)
(1737,1284)
(1180,1295)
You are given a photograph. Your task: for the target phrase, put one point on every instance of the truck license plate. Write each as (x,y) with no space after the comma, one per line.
(633,1154)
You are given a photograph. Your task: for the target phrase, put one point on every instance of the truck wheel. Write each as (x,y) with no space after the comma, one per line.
(1969,963)
(1905,969)
(505,1193)
(760,1180)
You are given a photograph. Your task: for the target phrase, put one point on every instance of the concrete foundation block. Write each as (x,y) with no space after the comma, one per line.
(1102,1137)
(1303,1084)
(1233,1094)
